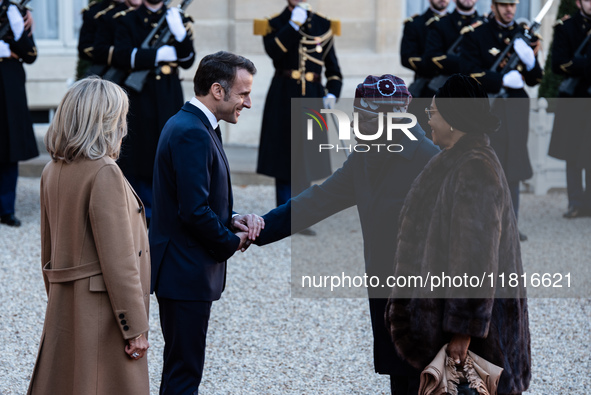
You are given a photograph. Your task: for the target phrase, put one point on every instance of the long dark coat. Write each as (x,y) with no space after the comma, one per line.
(277,144)
(458,218)
(571,134)
(17,140)
(96,268)
(162,95)
(377,183)
(480,50)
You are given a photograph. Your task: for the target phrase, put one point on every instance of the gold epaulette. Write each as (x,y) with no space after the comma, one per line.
(103,12)
(470,28)
(561,20)
(436,18)
(82,11)
(335,26)
(410,18)
(123,13)
(261,27)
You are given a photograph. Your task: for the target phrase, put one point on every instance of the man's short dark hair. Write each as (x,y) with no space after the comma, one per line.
(220,67)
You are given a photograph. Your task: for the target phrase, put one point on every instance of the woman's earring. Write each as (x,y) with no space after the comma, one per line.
(451,129)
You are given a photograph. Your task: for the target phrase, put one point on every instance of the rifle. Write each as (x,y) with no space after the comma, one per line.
(568,85)
(527,35)
(162,33)
(116,75)
(4,29)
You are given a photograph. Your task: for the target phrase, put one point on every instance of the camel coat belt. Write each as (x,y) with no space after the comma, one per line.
(96,268)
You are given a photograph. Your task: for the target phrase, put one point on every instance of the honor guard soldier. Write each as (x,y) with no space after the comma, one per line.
(571,136)
(444,37)
(301,44)
(104,40)
(481,50)
(161,96)
(89,26)
(412,49)
(17,140)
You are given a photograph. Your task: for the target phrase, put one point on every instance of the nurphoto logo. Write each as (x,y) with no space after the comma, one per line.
(343,123)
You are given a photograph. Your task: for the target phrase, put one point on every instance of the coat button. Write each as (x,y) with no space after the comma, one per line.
(140,209)
(121,316)
(123,322)
(140,252)
(125,328)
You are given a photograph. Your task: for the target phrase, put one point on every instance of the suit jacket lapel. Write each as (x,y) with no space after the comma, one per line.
(194,110)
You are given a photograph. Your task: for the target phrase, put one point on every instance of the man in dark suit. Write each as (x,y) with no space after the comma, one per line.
(377,183)
(192,233)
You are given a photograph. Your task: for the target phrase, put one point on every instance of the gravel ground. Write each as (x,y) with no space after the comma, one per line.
(264,341)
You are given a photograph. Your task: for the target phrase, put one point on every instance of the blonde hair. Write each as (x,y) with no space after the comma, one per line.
(90,121)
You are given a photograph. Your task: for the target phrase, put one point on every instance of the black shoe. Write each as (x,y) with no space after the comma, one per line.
(522,237)
(307,232)
(576,212)
(10,220)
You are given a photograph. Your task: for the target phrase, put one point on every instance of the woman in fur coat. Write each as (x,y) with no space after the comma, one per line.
(458,220)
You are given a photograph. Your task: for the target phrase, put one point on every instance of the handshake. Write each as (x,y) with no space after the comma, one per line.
(247,227)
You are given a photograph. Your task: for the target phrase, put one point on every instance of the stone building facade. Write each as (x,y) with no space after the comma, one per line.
(369,44)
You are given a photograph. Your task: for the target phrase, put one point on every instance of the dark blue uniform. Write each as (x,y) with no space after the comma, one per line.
(299,58)
(442,36)
(571,135)
(17,140)
(412,50)
(89,27)
(479,51)
(160,98)
(104,40)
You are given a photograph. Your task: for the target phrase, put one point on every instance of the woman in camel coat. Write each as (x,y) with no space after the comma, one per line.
(94,248)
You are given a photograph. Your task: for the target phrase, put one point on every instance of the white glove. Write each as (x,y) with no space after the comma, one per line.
(525,53)
(166,53)
(329,100)
(175,24)
(298,17)
(513,80)
(4,50)
(17,24)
